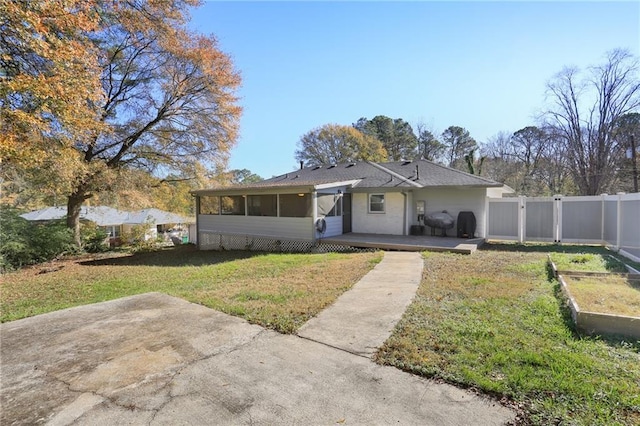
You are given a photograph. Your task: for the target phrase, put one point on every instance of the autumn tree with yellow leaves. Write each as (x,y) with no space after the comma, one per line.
(94,91)
(334,143)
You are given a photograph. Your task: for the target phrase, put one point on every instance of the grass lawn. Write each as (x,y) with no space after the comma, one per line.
(278,291)
(494,321)
(587,262)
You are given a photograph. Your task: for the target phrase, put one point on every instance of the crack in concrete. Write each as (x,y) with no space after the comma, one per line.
(360,354)
(171,396)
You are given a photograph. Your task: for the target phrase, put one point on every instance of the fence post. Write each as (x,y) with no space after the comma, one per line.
(521,218)
(557,218)
(619,221)
(602,222)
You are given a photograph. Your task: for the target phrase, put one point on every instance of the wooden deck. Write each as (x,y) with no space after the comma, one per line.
(407,242)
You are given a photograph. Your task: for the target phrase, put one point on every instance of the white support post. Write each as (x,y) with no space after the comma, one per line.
(522,217)
(314,212)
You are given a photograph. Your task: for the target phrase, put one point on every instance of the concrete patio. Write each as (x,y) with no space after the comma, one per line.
(153,359)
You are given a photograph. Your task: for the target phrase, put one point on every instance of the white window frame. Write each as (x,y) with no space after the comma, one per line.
(382,203)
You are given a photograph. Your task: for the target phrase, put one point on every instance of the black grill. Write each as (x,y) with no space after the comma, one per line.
(466,225)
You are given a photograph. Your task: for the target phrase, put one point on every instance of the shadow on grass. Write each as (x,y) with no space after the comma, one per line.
(187,255)
(565,312)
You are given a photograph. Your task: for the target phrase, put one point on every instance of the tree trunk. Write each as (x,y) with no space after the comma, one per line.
(74,204)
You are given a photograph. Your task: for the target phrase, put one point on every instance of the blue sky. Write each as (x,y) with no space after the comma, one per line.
(479,65)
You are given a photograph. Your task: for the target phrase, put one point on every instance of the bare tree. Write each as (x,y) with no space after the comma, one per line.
(627,132)
(583,113)
(531,160)
(499,164)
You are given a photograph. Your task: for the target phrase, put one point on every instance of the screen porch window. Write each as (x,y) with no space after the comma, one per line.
(376,203)
(295,205)
(262,205)
(232,205)
(209,205)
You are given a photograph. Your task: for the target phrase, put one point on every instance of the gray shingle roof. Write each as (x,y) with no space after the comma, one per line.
(108,216)
(100,215)
(398,174)
(156,216)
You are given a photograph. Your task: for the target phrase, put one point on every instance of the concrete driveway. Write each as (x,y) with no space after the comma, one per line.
(154,359)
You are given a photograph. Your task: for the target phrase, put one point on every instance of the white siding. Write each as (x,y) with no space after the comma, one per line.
(280,227)
(453,200)
(334,227)
(496,192)
(390,222)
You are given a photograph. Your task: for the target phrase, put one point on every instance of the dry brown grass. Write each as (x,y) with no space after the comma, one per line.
(613,294)
(280,291)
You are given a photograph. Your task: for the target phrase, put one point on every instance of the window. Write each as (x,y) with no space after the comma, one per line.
(262,205)
(112,231)
(295,205)
(232,205)
(329,205)
(209,205)
(376,203)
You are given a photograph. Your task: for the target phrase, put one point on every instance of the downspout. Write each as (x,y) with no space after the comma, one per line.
(404,215)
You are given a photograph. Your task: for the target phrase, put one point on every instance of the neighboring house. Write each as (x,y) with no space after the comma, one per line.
(325,201)
(117,222)
(159,221)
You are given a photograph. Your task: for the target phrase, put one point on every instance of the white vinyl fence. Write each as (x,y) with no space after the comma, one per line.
(610,220)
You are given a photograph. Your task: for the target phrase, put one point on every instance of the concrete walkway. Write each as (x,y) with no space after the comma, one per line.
(362,319)
(153,359)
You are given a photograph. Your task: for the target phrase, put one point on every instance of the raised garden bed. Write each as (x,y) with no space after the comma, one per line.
(601,302)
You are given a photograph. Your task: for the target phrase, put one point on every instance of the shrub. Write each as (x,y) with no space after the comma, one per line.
(94,239)
(25,243)
(138,239)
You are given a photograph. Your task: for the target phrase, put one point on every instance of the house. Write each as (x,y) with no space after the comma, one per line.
(117,222)
(295,210)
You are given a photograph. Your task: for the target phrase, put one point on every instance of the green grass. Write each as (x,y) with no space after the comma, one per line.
(599,258)
(279,291)
(493,321)
(587,262)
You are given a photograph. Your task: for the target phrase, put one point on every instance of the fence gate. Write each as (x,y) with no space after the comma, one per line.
(541,219)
